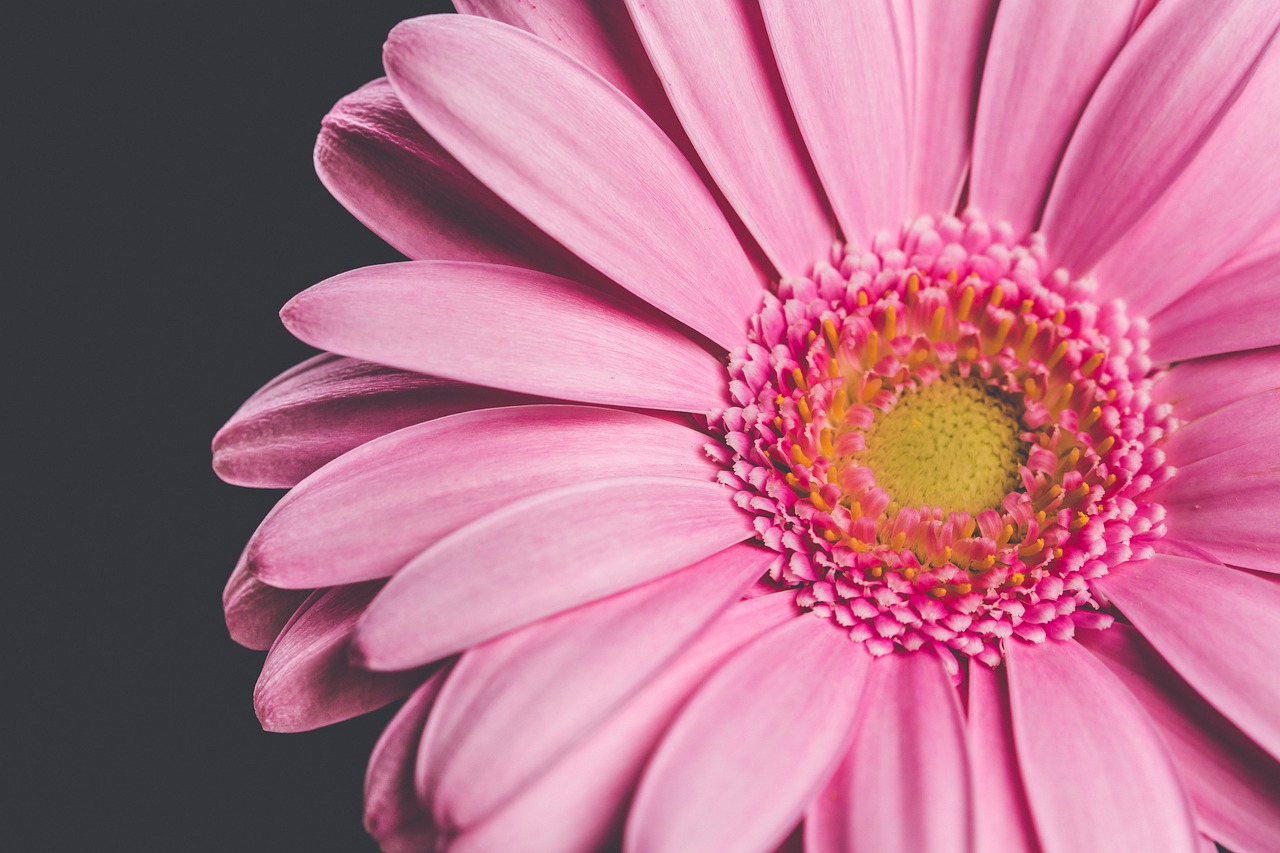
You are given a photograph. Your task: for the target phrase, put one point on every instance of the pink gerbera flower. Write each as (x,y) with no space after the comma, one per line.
(842,425)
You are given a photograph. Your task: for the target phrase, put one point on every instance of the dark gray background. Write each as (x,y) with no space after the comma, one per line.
(161,207)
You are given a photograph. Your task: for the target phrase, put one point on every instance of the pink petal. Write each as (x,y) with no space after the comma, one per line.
(578,805)
(839,60)
(1236,308)
(542,555)
(1002,820)
(384,168)
(508,328)
(256,613)
(598,33)
(1096,773)
(754,745)
(905,782)
(369,512)
(1196,388)
(1226,504)
(1044,62)
(720,74)
(307,680)
(1231,781)
(1236,175)
(1139,132)
(603,179)
(1216,626)
(317,411)
(1253,419)
(950,44)
(392,813)
(516,704)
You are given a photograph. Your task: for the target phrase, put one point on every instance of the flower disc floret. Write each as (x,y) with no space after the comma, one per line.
(944,444)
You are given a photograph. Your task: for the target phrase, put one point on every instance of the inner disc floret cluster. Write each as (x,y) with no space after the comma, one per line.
(943,444)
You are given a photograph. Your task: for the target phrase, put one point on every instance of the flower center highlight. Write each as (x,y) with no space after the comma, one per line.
(942,443)
(952,444)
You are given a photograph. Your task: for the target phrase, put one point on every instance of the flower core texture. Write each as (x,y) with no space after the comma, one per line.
(943,441)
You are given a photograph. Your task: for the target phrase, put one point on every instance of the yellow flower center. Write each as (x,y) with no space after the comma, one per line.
(953,445)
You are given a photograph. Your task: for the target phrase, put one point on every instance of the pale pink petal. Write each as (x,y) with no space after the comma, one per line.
(516,704)
(599,33)
(385,169)
(509,328)
(542,555)
(1253,419)
(602,179)
(905,782)
(1002,821)
(848,87)
(325,406)
(1216,626)
(1044,62)
(1096,773)
(308,680)
(754,745)
(950,41)
(1196,388)
(255,613)
(1236,308)
(392,813)
(1236,175)
(369,512)
(1232,783)
(578,805)
(715,61)
(1163,96)
(1226,505)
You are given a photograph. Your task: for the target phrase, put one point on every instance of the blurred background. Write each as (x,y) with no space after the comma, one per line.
(162,207)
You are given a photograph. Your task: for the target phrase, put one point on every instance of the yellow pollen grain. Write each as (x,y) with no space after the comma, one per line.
(1056,356)
(806,414)
(873,348)
(799,456)
(997,296)
(935,327)
(1106,444)
(950,445)
(890,323)
(1059,317)
(833,336)
(1092,364)
(797,376)
(1002,332)
(966,304)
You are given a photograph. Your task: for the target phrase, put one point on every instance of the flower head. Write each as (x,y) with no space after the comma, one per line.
(843,425)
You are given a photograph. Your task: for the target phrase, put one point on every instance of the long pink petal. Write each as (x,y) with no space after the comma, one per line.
(392,813)
(1236,175)
(905,784)
(1216,626)
(1096,773)
(846,80)
(385,169)
(542,555)
(719,72)
(325,406)
(1231,781)
(1226,505)
(1002,820)
(1139,132)
(602,179)
(256,613)
(1253,419)
(508,328)
(308,681)
(600,34)
(753,747)
(369,512)
(1196,388)
(950,41)
(516,704)
(1045,61)
(578,805)
(1236,308)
